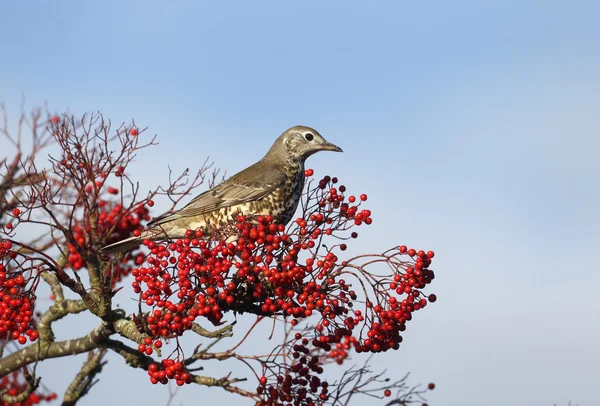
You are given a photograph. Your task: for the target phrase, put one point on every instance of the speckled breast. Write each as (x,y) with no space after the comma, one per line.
(282,202)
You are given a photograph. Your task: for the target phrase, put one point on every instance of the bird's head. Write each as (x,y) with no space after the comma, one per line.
(300,142)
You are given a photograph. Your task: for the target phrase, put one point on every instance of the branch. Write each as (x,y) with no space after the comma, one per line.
(55,286)
(128,329)
(226,331)
(137,359)
(42,350)
(32,385)
(225,383)
(84,380)
(57,312)
(132,356)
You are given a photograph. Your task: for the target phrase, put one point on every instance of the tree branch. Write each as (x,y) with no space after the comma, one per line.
(57,312)
(32,385)
(84,379)
(42,350)
(136,359)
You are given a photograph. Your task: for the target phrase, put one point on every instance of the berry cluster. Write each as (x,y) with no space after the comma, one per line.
(298,383)
(14,384)
(169,369)
(385,314)
(391,314)
(298,380)
(111,218)
(258,272)
(17,299)
(256,266)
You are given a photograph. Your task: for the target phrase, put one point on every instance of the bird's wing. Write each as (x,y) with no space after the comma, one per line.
(253,183)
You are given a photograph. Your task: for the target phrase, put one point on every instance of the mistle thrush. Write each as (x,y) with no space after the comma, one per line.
(272,186)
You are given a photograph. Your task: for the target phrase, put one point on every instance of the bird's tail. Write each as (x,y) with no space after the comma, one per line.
(123,245)
(133,242)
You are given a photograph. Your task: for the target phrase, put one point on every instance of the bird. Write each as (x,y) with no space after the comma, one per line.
(272,187)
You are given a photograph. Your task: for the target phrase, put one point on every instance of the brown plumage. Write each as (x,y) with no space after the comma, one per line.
(272,186)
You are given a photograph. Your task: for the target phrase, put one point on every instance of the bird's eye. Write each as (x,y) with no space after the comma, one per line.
(309,137)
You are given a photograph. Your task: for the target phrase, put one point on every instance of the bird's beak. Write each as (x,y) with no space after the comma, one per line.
(328,146)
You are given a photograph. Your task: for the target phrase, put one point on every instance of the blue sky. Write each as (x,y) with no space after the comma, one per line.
(473,126)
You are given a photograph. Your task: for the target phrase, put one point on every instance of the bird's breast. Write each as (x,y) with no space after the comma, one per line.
(283,201)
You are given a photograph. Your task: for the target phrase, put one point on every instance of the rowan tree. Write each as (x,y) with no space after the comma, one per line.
(66,192)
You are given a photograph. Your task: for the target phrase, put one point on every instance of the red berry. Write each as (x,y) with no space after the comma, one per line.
(431,386)
(16,212)
(133,132)
(309,172)
(387,393)
(22,340)
(432,297)
(55,119)
(363,197)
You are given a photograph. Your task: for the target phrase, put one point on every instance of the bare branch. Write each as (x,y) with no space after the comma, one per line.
(42,350)
(84,380)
